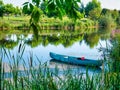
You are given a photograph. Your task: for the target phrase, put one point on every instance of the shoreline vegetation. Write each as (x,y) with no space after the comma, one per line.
(40,16)
(22,23)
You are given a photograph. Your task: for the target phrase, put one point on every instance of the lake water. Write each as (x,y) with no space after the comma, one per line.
(68,42)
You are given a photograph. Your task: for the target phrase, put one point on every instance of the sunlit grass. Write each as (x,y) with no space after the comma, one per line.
(22,22)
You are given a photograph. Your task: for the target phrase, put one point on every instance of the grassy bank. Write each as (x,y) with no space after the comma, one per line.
(22,22)
(14,22)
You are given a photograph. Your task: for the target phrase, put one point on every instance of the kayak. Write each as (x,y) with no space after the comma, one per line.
(76,60)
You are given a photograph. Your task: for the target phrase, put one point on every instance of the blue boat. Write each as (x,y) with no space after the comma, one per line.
(76,60)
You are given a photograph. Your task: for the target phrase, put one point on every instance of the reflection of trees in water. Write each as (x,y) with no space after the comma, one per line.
(10,40)
(92,39)
(56,37)
(66,41)
(104,33)
(8,44)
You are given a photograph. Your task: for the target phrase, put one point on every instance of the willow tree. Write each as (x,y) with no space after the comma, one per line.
(59,8)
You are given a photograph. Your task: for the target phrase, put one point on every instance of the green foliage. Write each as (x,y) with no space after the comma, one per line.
(95,13)
(59,8)
(105,12)
(35,12)
(43,7)
(92,39)
(4,24)
(56,8)
(1,2)
(118,20)
(115,54)
(93,5)
(82,8)
(27,8)
(9,8)
(106,21)
(34,20)
(1,10)
(18,11)
(35,15)
(114,14)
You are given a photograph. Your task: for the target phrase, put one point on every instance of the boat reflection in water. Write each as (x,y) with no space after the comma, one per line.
(75,69)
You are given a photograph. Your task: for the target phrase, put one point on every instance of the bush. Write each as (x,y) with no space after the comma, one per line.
(118,21)
(86,23)
(106,21)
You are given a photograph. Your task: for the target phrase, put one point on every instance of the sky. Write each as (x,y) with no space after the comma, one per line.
(110,4)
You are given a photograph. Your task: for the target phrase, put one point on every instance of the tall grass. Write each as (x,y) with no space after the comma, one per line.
(39,76)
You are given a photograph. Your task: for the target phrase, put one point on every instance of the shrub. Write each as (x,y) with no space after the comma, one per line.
(106,21)
(118,20)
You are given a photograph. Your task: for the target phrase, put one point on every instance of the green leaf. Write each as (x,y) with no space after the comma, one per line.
(31,6)
(25,3)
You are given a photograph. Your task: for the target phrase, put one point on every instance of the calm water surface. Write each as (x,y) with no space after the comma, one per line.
(74,43)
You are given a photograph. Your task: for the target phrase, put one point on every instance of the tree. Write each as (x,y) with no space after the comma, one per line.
(95,13)
(118,20)
(9,9)
(114,14)
(92,39)
(1,9)
(106,21)
(105,11)
(58,8)
(93,5)
(17,10)
(82,9)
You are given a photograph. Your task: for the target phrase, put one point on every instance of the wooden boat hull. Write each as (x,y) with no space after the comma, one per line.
(75,60)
